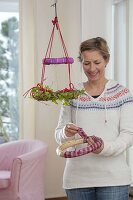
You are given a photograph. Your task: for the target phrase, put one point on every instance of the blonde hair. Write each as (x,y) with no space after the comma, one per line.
(95,44)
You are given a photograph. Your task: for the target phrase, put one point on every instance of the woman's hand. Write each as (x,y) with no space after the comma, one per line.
(71,129)
(91,141)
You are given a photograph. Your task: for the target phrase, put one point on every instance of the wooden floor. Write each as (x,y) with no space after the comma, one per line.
(59,198)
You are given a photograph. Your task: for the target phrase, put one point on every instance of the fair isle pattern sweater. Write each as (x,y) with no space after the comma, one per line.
(110,117)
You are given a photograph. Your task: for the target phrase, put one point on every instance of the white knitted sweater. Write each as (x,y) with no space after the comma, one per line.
(109,116)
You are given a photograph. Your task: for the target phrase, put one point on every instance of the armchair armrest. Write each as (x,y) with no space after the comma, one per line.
(6,156)
(31,177)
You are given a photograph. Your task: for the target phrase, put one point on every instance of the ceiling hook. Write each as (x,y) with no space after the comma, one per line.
(54,5)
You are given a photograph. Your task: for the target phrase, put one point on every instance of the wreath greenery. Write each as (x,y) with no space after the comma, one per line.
(45,93)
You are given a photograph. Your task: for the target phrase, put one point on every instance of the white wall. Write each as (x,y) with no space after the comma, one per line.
(97,22)
(27,66)
(96,19)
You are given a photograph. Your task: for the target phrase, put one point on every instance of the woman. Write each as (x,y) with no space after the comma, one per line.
(106,111)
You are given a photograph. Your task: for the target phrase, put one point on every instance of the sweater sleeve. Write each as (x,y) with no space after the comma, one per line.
(125,138)
(64,118)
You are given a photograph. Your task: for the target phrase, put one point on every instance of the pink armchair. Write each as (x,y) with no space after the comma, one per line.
(22,167)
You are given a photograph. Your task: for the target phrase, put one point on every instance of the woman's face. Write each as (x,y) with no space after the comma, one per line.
(93,65)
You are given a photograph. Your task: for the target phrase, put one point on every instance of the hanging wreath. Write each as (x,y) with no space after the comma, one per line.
(42,92)
(45,93)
